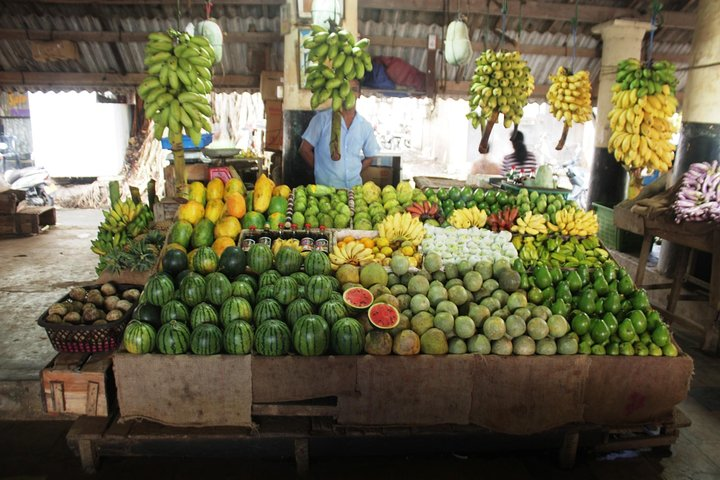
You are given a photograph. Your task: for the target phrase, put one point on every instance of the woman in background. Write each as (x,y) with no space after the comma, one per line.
(520,158)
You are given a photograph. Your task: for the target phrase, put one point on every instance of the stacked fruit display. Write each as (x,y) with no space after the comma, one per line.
(643,104)
(93,306)
(321,206)
(502,83)
(373,204)
(339,60)
(569,99)
(541,203)
(562,252)
(364,250)
(179,76)
(471,245)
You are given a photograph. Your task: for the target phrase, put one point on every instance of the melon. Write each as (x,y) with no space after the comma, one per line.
(373,273)
(378,342)
(434,342)
(357,299)
(406,342)
(383,316)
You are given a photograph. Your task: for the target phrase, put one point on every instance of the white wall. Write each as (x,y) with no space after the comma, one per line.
(74,136)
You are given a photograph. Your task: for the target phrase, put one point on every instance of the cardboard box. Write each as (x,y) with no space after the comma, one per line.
(78,384)
(274,125)
(269,83)
(195,172)
(382,176)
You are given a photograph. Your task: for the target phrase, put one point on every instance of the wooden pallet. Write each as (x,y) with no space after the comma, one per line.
(79,384)
(27,221)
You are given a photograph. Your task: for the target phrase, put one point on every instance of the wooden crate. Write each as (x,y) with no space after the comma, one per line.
(79,384)
(27,221)
(9,201)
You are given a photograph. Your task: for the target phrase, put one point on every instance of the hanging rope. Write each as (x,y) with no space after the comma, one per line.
(520,26)
(208,8)
(504,11)
(656,8)
(486,30)
(179,14)
(574,23)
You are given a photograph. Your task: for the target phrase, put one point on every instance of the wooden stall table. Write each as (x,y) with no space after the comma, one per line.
(703,237)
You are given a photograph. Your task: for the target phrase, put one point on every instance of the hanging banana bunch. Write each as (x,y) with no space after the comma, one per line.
(340,59)
(569,99)
(643,103)
(501,83)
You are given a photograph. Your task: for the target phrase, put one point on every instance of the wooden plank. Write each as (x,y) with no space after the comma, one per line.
(636,443)
(280,410)
(154,2)
(110,79)
(123,37)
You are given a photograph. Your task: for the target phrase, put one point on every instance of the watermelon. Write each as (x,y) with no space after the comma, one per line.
(300,277)
(272,339)
(175,310)
(180,233)
(235,308)
(159,289)
(173,338)
(383,316)
(317,263)
(318,289)
(238,338)
(337,296)
(205,260)
(192,289)
(278,204)
(268,291)
(288,260)
(206,339)
(244,290)
(297,309)
(268,278)
(267,309)
(174,261)
(310,335)
(357,299)
(232,262)
(332,310)
(252,219)
(347,337)
(335,283)
(259,258)
(203,313)
(139,337)
(285,290)
(203,234)
(244,277)
(217,288)
(148,313)
(179,277)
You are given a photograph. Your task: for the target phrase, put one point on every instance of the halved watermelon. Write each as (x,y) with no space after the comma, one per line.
(383,316)
(357,299)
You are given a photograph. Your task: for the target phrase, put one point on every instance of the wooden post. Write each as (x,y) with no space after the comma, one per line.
(430,85)
(179,159)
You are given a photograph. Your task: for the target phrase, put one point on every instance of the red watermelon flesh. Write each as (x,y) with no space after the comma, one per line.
(358,298)
(383,316)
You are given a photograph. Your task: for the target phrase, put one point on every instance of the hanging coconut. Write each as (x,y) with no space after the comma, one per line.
(458,49)
(211,30)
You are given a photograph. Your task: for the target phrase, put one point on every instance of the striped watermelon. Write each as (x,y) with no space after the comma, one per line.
(159,289)
(203,313)
(235,308)
(335,283)
(332,310)
(217,288)
(311,335)
(205,260)
(286,290)
(297,309)
(251,279)
(238,338)
(173,338)
(269,278)
(300,277)
(317,263)
(175,310)
(192,289)
(266,310)
(206,339)
(318,289)
(243,289)
(272,339)
(347,337)
(288,260)
(139,337)
(268,291)
(259,258)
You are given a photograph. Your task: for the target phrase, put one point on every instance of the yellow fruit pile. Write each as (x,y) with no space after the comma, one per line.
(401,227)
(353,252)
(530,224)
(571,221)
(468,217)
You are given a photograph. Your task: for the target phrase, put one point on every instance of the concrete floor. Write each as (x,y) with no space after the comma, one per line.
(38,270)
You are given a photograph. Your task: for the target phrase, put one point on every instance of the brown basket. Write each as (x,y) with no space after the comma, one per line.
(106,337)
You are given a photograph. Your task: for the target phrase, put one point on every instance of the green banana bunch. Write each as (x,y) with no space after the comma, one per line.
(123,221)
(179,76)
(567,253)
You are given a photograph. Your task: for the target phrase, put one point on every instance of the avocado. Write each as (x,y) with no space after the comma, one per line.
(587,303)
(562,291)
(600,285)
(626,285)
(599,331)
(574,281)
(640,300)
(612,303)
(611,322)
(543,278)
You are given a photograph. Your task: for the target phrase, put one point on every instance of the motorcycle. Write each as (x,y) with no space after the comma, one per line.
(35,182)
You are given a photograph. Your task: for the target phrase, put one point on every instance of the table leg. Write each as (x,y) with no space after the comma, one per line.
(302,457)
(88,456)
(568,449)
(711,342)
(642,261)
(680,272)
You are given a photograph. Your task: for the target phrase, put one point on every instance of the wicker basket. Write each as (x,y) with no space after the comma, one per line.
(66,337)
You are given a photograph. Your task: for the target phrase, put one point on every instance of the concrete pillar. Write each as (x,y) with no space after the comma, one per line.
(700,131)
(621,39)
(296,100)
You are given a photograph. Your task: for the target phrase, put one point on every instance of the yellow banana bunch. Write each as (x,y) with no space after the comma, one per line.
(468,217)
(569,99)
(643,104)
(530,224)
(353,252)
(123,221)
(179,76)
(278,243)
(571,221)
(401,227)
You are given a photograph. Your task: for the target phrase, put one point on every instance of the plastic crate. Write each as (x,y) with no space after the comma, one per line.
(188,144)
(613,237)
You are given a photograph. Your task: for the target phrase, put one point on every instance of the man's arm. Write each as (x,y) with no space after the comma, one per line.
(307,152)
(366,162)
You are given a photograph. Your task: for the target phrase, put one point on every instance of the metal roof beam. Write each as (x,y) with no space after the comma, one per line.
(123,37)
(104,80)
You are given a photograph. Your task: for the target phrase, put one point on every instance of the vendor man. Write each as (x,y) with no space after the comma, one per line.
(357,141)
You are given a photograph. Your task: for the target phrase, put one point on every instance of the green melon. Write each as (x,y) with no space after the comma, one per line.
(288,261)
(347,337)
(310,335)
(139,337)
(235,308)
(272,339)
(238,338)
(206,339)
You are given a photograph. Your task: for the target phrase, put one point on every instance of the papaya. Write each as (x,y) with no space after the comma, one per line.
(235,205)
(180,233)
(203,234)
(191,211)
(197,192)
(215,189)
(214,209)
(234,185)
(253,219)
(276,220)
(278,204)
(227,226)
(282,191)
(221,243)
(262,193)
